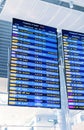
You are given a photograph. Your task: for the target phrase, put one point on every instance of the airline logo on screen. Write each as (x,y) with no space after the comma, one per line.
(34,73)
(73,44)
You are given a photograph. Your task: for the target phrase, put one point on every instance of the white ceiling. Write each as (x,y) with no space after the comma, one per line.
(45,13)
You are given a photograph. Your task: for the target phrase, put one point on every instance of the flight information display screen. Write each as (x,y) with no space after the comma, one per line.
(73,45)
(34,71)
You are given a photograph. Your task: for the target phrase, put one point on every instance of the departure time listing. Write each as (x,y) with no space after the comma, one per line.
(34,73)
(73,45)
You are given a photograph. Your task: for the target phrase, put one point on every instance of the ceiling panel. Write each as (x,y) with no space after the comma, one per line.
(44,13)
(78,2)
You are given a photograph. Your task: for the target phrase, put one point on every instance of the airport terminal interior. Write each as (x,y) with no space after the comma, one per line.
(41,64)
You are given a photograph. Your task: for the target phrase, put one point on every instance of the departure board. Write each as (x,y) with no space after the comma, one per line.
(73,45)
(34,71)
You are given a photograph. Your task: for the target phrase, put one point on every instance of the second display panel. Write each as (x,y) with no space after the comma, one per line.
(73,45)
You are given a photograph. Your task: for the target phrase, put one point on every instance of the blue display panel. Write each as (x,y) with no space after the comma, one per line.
(34,71)
(73,44)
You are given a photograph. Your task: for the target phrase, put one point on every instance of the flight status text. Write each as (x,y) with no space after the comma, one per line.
(34,71)
(73,45)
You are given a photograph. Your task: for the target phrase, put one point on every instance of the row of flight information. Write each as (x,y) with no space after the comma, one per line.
(34,78)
